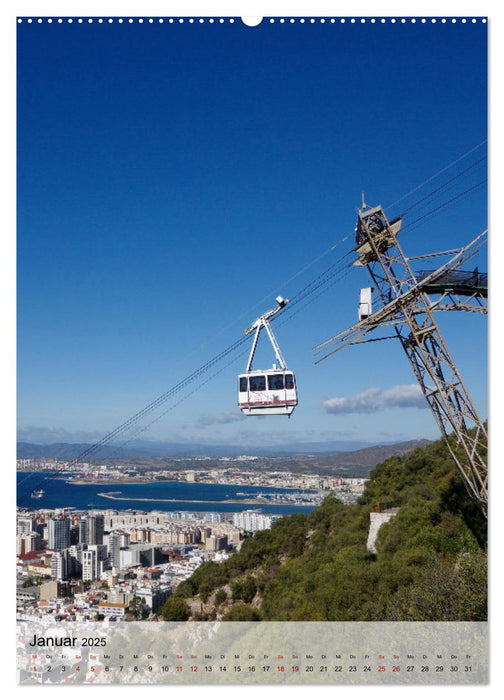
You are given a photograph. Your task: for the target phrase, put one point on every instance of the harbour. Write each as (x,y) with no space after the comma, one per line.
(161,495)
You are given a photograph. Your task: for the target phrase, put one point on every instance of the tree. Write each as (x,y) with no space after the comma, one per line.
(204,590)
(136,608)
(220,596)
(249,589)
(175,609)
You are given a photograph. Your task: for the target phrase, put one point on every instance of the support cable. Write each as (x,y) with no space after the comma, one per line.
(439,172)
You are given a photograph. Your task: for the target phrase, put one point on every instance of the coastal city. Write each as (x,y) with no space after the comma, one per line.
(239,470)
(112,564)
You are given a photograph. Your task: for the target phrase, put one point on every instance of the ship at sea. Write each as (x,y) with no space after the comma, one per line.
(37,493)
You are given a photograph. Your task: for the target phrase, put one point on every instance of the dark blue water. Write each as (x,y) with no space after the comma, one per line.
(60,494)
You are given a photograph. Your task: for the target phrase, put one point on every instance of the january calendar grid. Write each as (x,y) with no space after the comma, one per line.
(142,139)
(243,652)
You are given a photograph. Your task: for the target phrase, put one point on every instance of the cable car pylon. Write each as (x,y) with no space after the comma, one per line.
(272,391)
(409,311)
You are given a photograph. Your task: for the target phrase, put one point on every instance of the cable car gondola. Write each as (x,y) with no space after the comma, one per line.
(270,392)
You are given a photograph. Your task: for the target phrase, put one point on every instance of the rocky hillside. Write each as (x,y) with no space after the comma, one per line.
(430,562)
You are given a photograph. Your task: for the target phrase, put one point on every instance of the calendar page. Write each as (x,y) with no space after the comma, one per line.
(252,323)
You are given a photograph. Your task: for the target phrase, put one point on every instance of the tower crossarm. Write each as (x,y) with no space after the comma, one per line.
(449,301)
(391,312)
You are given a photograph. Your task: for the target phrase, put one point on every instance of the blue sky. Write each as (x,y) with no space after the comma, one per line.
(174,178)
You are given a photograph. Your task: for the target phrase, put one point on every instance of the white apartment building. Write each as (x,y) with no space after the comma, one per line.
(251,520)
(154,596)
(128,557)
(93,562)
(25,525)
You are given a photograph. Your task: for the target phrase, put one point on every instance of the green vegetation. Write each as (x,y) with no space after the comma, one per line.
(137,609)
(430,564)
(176,609)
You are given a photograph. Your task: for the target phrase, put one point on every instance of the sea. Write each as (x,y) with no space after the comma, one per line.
(183,496)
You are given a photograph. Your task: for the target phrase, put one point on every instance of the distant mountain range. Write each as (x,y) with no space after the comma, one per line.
(350,452)
(366,457)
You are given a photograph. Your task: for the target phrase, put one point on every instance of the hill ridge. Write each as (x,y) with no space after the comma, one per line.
(430,561)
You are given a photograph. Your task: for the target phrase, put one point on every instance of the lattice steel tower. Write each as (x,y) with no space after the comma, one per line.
(408,309)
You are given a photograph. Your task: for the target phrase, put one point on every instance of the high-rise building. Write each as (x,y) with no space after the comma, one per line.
(81,526)
(94,559)
(74,534)
(91,528)
(95,528)
(75,551)
(58,534)
(116,540)
(114,546)
(60,565)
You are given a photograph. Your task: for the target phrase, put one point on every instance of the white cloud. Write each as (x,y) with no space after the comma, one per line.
(405,396)
(221,419)
(367,402)
(374,400)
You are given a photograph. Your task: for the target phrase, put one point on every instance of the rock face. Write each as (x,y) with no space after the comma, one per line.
(376,521)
